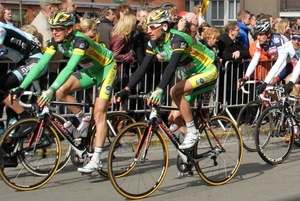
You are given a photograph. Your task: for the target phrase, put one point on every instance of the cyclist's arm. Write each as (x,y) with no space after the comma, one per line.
(170,69)
(253,64)
(295,73)
(140,71)
(278,66)
(69,69)
(37,69)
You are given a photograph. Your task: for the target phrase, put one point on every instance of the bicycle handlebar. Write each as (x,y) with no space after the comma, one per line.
(248,82)
(26,93)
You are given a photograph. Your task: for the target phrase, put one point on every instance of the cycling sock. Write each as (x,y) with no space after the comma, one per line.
(190,127)
(97,154)
(80,115)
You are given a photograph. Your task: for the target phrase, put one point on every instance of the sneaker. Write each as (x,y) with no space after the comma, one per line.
(288,137)
(189,141)
(90,167)
(83,128)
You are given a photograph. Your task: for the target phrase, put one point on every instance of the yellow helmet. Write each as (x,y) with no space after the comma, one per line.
(159,16)
(63,19)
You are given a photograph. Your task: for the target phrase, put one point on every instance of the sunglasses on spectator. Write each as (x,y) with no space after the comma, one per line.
(153,26)
(297,38)
(58,29)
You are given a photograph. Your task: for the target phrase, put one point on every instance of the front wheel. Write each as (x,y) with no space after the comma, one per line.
(133,174)
(270,135)
(219,152)
(24,165)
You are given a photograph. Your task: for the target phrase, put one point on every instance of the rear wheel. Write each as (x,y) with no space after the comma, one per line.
(25,165)
(222,144)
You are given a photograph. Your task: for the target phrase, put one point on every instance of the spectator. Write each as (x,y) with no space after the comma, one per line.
(120,44)
(198,11)
(67,6)
(88,27)
(106,16)
(174,13)
(275,25)
(41,20)
(231,49)
(201,30)
(141,15)
(190,24)
(121,10)
(283,28)
(243,18)
(251,34)
(210,36)
(8,17)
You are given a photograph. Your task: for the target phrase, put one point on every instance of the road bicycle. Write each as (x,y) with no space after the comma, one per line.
(28,172)
(272,127)
(249,114)
(138,166)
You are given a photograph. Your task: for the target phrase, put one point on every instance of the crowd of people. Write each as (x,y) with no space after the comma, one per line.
(101,51)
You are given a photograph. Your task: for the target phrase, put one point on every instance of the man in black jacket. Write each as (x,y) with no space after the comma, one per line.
(231,49)
(106,16)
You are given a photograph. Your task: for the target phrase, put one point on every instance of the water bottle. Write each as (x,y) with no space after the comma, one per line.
(83,128)
(72,129)
(176,131)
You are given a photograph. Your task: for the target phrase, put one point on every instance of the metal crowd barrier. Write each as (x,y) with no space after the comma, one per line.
(225,97)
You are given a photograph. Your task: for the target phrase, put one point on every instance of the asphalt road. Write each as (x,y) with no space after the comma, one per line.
(255,180)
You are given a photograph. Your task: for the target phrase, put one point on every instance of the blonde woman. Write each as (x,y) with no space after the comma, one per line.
(283,28)
(210,36)
(89,28)
(120,44)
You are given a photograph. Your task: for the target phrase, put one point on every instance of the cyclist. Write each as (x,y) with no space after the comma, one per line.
(182,52)
(267,41)
(99,68)
(24,50)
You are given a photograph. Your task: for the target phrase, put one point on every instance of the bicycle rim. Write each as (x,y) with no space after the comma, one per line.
(246,123)
(33,168)
(223,160)
(270,135)
(137,178)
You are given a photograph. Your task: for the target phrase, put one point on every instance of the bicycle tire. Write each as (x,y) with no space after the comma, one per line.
(132,177)
(219,167)
(270,136)
(44,160)
(246,122)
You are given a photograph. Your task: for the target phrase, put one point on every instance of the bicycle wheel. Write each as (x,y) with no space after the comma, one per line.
(219,157)
(134,173)
(117,121)
(246,122)
(33,164)
(271,129)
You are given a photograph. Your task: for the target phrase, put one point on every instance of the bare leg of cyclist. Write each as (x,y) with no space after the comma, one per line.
(100,110)
(177,94)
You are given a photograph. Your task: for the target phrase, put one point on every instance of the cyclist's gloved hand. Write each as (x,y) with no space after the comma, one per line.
(123,94)
(242,81)
(47,96)
(16,91)
(155,96)
(260,89)
(288,88)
